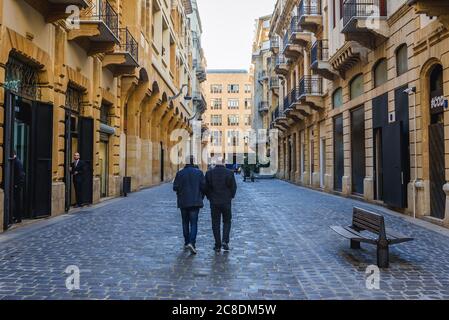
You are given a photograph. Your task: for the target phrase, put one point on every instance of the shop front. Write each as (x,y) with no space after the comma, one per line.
(27,156)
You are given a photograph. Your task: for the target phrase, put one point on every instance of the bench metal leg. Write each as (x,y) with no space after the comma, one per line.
(383,256)
(355,244)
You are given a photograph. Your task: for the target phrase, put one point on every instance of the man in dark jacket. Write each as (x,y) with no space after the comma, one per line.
(189,186)
(78,169)
(221,189)
(19,181)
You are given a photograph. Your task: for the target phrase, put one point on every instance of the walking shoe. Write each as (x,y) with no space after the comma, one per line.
(217,249)
(191,248)
(226,247)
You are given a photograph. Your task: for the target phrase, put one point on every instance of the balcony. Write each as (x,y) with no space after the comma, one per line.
(262,77)
(280,120)
(347,56)
(54,10)
(125,59)
(274,84)
(200,101)
(320,60)
(310,15)
(298,35)
(291,48)
(263,106)
(274,44)
(200,70)
(98,31)
(281,66)
(364,21)
(432,8)
(310,92)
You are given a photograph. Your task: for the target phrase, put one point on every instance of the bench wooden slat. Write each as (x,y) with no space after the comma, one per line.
(367,225)
(351,234)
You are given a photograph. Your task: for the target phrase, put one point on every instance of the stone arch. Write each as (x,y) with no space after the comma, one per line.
(14,44)
(423,89)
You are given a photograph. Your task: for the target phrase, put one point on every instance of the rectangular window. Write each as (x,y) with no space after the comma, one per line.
(216,104)
(248,88)
(216,138)
(233,104)
(247,120)
(248,103)
(233,139)
(215,120)
(233,120)
(216,88)
(233,88)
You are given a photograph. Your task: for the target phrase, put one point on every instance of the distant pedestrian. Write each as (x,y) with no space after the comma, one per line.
(221,189)
(190,187)
(78,171)
(19,182)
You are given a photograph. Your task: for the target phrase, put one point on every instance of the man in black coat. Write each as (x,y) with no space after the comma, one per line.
(189,186)
(221,189)
(78,170)
(19,181)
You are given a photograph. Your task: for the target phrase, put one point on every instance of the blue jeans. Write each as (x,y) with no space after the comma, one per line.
(190,224)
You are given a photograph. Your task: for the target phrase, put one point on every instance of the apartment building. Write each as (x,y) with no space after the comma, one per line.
(363,98)
(228,117)
(105,78)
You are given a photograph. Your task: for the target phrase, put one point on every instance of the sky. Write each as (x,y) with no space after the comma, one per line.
(228,30)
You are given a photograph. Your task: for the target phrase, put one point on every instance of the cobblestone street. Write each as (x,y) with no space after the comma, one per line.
(282,248)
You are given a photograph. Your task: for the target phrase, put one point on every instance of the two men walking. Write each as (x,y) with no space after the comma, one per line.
(220,188)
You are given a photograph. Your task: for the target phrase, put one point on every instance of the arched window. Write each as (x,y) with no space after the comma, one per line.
(337,98)
(356,86)
(401,59)
(380,72)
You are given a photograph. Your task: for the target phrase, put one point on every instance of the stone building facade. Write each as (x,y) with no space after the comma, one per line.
(100,77)
(228,117)
(362,106)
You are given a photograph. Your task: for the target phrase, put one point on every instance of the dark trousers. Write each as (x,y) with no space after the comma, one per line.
(17,205)
(78,184)
(218,211)
(190,224)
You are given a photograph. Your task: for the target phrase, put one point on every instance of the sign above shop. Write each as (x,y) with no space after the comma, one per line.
(438,104)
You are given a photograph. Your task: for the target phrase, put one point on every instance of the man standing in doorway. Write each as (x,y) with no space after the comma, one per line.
(19,181)
(77,171)
(221,189)
(189,186)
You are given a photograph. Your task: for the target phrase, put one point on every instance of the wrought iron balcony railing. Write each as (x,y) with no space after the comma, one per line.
(363,9)
(309,8)
(319,51)
(128,43)
(263,106)
(280,59)
(274,82)
(310,86)
(102,10)
(274,42)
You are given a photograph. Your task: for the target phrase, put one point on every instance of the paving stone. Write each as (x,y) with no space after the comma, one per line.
(281,248)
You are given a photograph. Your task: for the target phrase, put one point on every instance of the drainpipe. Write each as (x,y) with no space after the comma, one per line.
(411,91)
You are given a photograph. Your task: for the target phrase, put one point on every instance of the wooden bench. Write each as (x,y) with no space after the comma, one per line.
(364,220)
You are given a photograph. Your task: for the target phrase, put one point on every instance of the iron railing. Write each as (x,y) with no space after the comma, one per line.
(274,42)
(263,106)
(280,59)
(128,43)
(102,10)
(274,82)
(319,51)
(363,8)
(310,86)
(309,8)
